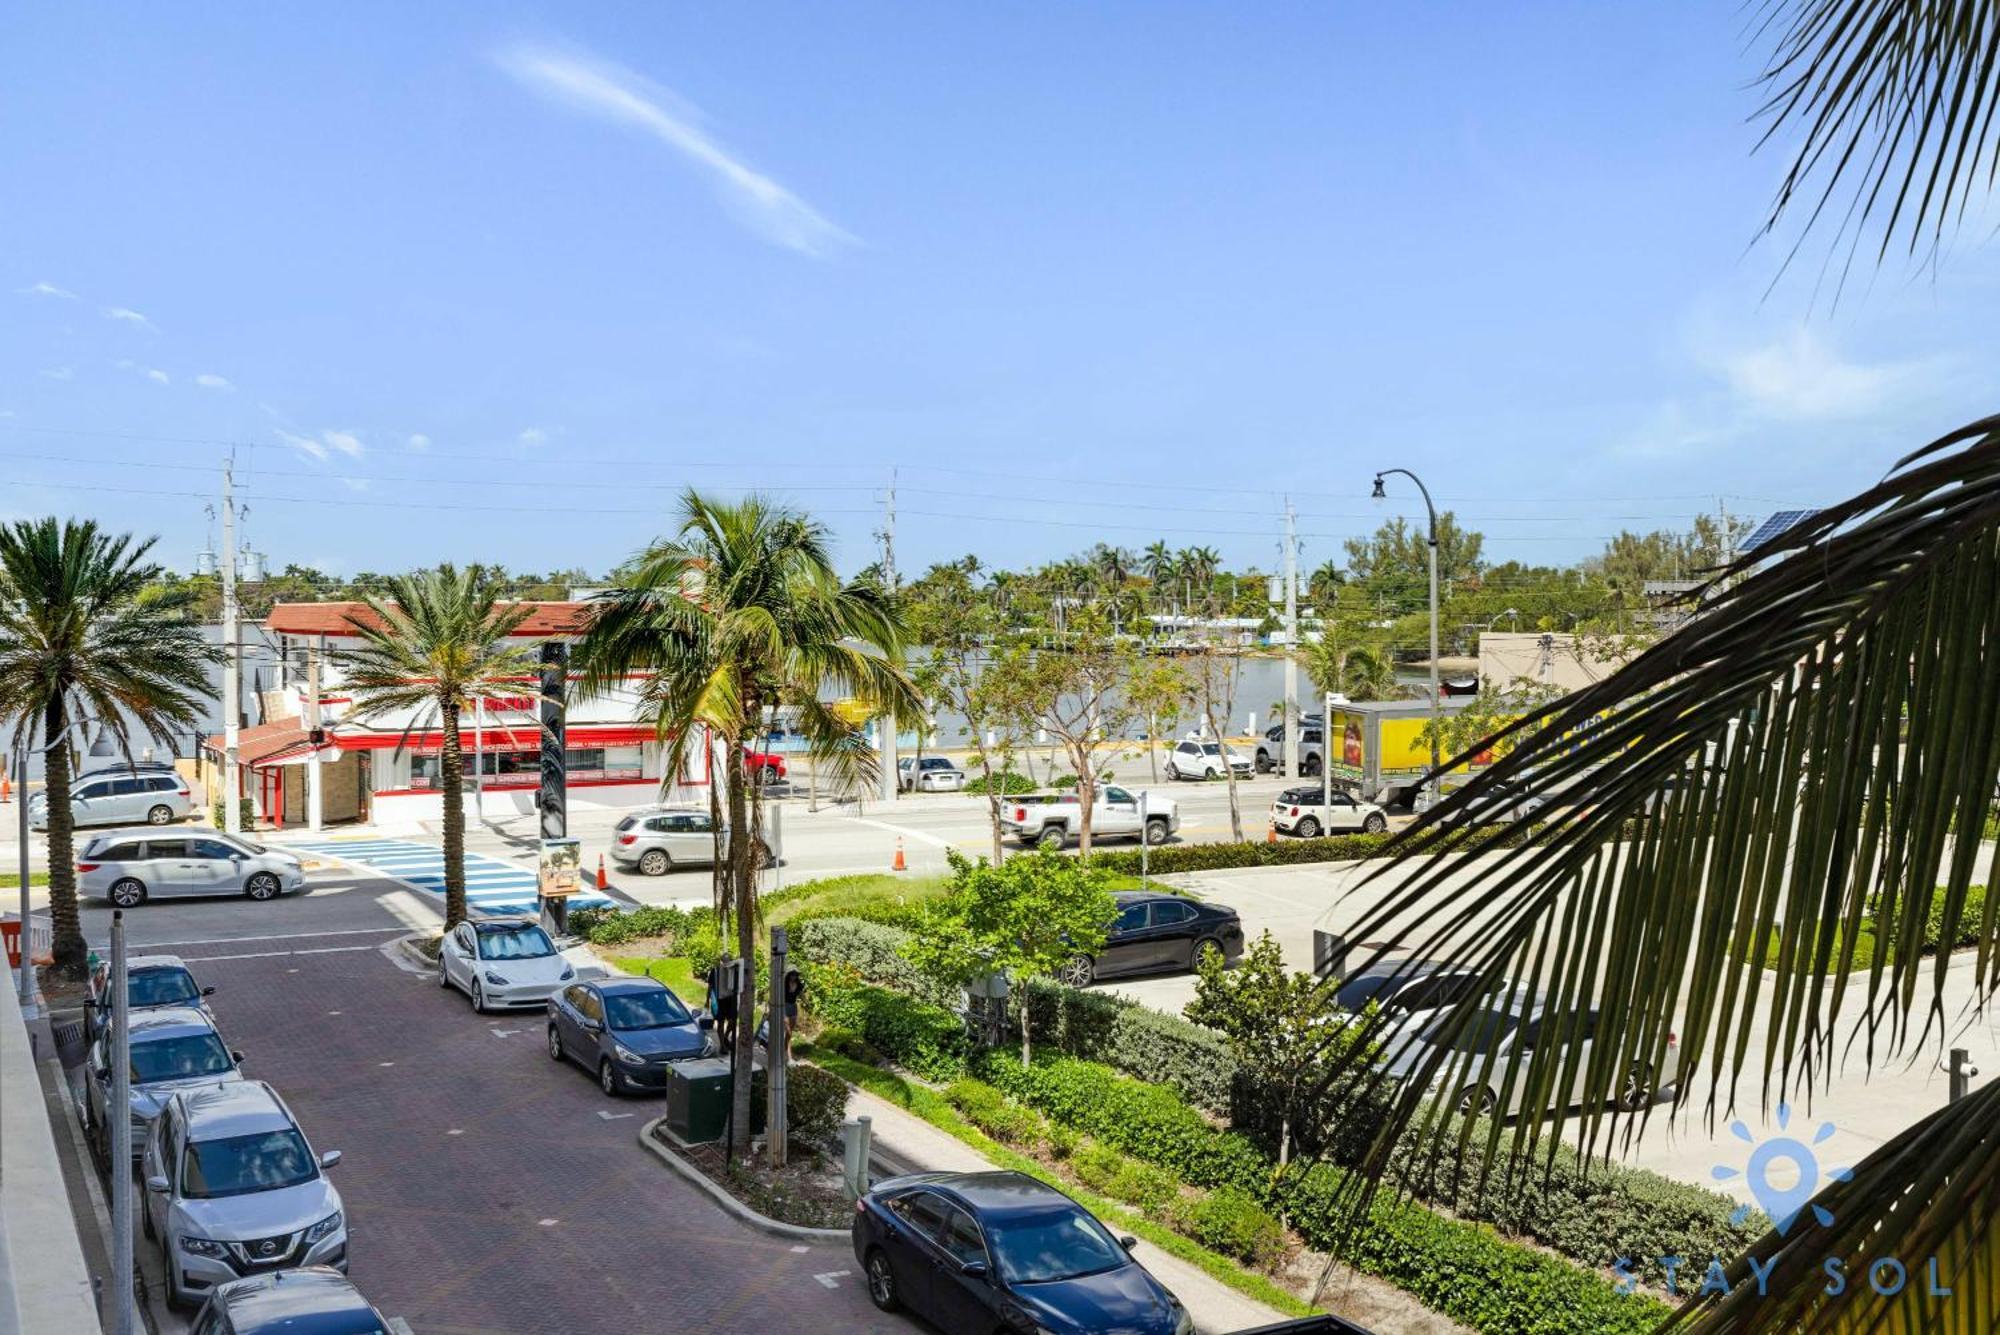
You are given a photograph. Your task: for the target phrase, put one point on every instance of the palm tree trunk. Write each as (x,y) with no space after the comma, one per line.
(451,766)
(68,945)
(743,887)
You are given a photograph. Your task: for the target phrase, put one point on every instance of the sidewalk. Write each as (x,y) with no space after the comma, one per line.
(913,1144)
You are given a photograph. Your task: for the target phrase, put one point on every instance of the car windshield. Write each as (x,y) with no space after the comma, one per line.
(1210,749)
(1483,1031)
(1062,1244)
(180,1058)
(644,1010)
(1355,994)
(627,824)
(234,1165)
(161,987)
(515,943)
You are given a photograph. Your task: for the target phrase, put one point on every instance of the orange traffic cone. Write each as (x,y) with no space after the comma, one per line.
(1270,832)
(899,864)
(6,789)
(602,882)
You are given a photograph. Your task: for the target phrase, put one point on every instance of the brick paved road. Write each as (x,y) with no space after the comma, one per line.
(484,1192)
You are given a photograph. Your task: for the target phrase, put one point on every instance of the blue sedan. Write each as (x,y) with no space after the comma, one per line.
(627,1030)
(1001,1251)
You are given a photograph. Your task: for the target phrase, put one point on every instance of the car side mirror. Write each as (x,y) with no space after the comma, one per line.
(236,857)
(156,1183)
(974,1270)
(329,1159)
(703,1020)
(208,991)
(1128,1242)
(236,1056)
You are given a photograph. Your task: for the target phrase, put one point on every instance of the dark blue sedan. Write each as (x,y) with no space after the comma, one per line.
(983,1252)
(626,1030)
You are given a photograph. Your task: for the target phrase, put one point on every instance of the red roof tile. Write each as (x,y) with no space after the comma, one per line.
(338,618)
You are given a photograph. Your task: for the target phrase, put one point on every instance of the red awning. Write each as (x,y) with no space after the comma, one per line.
(523,738)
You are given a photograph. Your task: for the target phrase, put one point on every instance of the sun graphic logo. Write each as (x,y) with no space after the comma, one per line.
(1773,1161)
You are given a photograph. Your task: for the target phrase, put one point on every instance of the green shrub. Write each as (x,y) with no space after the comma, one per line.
(1096,1165)
(928,1040)
(1166,1049)
(1284,853)
(884,897)
(1065,782)
(815,1102)
(988,1109)
(1007,781)
(1143,1185)
(872,950)
(248,812)
(1229,1220)
(615,927)
(1062,1140)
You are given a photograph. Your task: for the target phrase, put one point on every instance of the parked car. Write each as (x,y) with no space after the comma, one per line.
(655,840)
(120,799)
(124,767)
(151,981)
(173,1048)
(501,962)
(1204,760)
(233,1190)
(928,774)
(985,1251)
(1311,811)
(129,867)
(764,766)
(1051,820)
(1155,932)
(627,1030)
(1405,987)
(312,1300)
(1312,748)
(1508,802)
(1511,1025)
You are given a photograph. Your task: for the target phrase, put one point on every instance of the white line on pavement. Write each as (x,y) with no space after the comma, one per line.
(278,954)
(285,936)
(612,1116)
(831,1279)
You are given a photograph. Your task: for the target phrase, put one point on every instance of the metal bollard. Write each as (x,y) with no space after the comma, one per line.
(1962,1071)
(855,1138)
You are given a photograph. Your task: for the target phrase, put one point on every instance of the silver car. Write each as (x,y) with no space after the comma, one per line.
(129,867)
(173,1048)
(120,799)
(930,774)
(234,1190)
(655,840)
(151,981)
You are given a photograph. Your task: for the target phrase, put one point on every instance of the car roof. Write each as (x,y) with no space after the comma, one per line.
(997,1193)
(237,1108)
(312,1300)
(138,962)
(156,1022)
(514,924)
(1124,897)
(611,986)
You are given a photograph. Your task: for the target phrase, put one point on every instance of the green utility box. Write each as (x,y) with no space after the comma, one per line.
(698,1099)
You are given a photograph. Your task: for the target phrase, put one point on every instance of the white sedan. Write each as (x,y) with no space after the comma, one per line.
(1205,760)
(1311,811)
(502,962)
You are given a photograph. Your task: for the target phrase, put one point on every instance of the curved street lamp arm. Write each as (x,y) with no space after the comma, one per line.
(1426,491)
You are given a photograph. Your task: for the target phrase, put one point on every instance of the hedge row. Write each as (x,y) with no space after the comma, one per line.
(1195,1062)
(1284,853)
(873,950)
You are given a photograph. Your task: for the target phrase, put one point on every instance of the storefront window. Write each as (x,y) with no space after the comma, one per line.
(523,767)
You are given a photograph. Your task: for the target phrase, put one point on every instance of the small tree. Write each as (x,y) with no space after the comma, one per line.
(1278,1023)
(1158,691)
(1026,918)
(1082,703)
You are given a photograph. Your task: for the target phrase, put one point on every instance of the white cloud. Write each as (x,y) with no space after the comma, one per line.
(158,376)
(127,315)
(1799,377)
(58,372)
(48,290)
(420,442)
(305,445)
(355,483)
(209,380)
(324,446)
(346,442)
(619,95)
(6,412)
(534,435)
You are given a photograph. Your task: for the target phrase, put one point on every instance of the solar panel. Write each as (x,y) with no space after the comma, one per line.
(1772,528)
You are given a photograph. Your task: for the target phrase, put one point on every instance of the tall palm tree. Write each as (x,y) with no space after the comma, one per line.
(1805,766)
(739,610)
(88,634)
(432,644)
(1156,563)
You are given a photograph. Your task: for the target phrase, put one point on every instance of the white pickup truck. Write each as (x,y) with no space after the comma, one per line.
(1051,820)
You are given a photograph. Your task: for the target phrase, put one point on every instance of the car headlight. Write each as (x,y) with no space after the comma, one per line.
(626,1055)
(324,1229)
(495,979)
(195,1246)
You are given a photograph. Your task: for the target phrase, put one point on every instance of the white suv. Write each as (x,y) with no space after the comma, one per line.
(1204,760)
(234,1190)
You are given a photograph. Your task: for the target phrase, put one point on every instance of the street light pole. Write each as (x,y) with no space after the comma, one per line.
(30,995)
(1437,702)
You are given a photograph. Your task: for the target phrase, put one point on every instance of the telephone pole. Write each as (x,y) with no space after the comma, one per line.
(1292,766)
(888,720)
(232,663)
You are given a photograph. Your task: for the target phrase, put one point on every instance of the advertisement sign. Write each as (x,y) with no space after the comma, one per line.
(561,868)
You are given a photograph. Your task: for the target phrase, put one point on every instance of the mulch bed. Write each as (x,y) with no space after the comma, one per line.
(807,1191)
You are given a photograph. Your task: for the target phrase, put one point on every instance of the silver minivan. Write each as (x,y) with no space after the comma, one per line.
(655,840)
(120,799)
(129,867)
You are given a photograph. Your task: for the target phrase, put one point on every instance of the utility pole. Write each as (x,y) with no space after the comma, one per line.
(315,798)
(119,1113)
(888,720)
(1292,646)
(232,664)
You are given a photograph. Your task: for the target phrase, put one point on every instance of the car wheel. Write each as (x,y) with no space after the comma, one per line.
(881,1281)
(444,979)
(608,1078)
(555,1045)
(1311,768)
(478,998)
(653,862)
(1052,836)
(1307,828)
(261,886)
(1264,764)
(1173,771)
(160,815)
(1156,832)
(146,1225)
(1477,1101)
(1078,972)
(1207,951)
(1636,1095)
(1375,824)
(128,893)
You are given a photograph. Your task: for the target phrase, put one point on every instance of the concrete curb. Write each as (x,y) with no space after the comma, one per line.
(796,1232)
(412,954)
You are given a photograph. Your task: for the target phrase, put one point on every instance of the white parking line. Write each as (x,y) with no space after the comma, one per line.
(276,954)
(612,1116)
(832,1278)
(285,936)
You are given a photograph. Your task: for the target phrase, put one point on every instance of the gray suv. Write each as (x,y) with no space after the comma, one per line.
(173,1048)
(129,867)
(120,799)
(233,1190)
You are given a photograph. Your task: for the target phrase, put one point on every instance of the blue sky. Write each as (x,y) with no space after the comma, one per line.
(481,281)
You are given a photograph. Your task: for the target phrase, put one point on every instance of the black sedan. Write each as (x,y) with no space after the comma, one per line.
(1156,932)
(986,1251)
(626,1030)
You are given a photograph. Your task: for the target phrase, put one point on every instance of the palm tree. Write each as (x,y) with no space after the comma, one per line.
(1325,578)
(89,635)
(1797,775)
(436,643)
(739,610)
(1156,563)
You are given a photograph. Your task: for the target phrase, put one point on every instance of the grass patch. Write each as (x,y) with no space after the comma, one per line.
(865,895)
(672,970)
(933,1108)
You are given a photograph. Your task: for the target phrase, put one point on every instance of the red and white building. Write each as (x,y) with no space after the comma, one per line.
(385,769)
